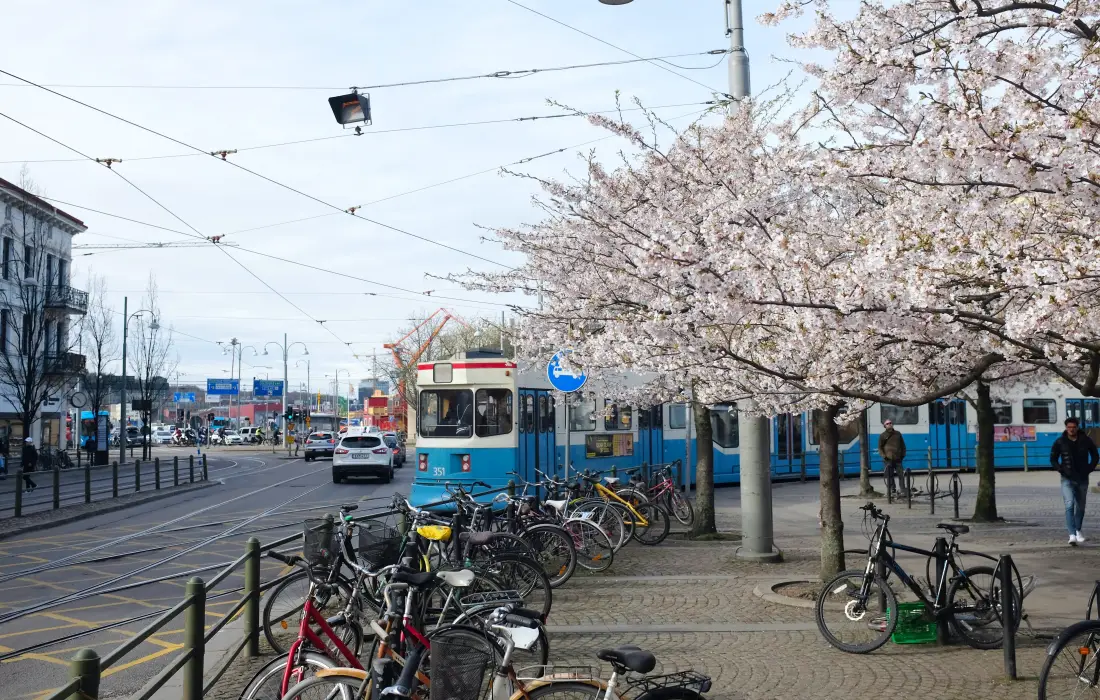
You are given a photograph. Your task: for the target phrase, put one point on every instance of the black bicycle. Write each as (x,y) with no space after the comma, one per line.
(857,611)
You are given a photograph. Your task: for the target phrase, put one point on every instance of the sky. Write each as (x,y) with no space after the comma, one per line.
(246,48)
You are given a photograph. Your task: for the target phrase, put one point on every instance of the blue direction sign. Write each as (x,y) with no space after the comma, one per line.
(566,381)
(222,387)
(184,397)
(267,387)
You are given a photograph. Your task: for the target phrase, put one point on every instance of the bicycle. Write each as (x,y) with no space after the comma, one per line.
(648,522)
(869,605)
(594,546)
(1078,647)
(663,491)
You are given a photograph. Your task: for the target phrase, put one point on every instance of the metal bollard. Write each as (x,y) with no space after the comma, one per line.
(87,483)
(19,493)
(137,475)
(56,488)
(85,666)
(512,488)
(908,475)
(252,590)
(194,639)
(176,470)
(156,473)
(1005,566)
(191,467)
(114,479)
(802,466)
(940,552)
(1025,456)
(205,473)
(931,483)
(956,492)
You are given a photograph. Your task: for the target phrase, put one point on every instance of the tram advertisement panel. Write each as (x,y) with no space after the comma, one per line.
(1014,433)
(607,445)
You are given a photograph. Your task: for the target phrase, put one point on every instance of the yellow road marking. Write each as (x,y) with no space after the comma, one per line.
(40,629)
(144,659)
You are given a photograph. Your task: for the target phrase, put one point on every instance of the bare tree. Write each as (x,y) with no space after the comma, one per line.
(36,359)
(152,360)
(99,344)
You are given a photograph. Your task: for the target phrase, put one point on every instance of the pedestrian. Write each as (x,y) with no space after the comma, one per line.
(30,463)
(1074,456)
(891,447)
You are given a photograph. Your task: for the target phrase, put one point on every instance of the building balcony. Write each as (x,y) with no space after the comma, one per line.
(64,363)
(66,298)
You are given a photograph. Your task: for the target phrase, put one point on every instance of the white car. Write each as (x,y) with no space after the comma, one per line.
(232,437)
(362,455)
(162,436)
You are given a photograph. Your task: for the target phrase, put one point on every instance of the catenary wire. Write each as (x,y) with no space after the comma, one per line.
(502,74)
(619,48)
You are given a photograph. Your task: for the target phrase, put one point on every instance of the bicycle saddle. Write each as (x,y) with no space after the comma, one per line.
(954,529)
(630,657)
(478,539)
(611,480)
(348,508)
(557,505)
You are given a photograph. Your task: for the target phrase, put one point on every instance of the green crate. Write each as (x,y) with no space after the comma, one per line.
(913,627)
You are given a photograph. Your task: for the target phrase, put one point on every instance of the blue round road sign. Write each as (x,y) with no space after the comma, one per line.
(561,379)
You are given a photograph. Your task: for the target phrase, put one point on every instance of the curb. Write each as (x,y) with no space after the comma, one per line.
(767,592)
(65,519)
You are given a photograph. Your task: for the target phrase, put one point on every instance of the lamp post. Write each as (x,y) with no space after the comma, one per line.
(122,408)
(286,351)
(309,397)
(336,394)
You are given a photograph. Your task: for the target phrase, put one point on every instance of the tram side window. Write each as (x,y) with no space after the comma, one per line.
(615,417)
(677,416)
(1039,411)
(901,415)
(446,413)
(1002,413)
(546,414)
(723,426)
(494,412)
(582,414)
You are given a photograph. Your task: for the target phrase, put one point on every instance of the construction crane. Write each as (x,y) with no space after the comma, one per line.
(413,358)
(135,245)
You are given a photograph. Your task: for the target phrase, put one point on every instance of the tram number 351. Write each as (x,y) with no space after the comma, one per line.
(438,471)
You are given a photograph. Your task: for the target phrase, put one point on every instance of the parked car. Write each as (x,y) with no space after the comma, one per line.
(162,436)
(362,455)
(397,448)
(320,444)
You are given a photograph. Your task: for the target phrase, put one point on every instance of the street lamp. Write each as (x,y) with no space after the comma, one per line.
(336,394)
(154,326)
(286,350)
(309,396)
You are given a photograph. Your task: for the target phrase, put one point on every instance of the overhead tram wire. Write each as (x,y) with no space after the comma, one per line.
(197,234)
(374,132)
(502,74)
(619,48)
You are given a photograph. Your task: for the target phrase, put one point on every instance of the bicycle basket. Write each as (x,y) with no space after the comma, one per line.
(459,668)
(318,546)
(379,544)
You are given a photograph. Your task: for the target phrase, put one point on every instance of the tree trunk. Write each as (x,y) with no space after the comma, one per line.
(832,525)
(985,508)
(704,471)
(866,490)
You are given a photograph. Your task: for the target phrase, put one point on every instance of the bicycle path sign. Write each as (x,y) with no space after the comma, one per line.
(565,381)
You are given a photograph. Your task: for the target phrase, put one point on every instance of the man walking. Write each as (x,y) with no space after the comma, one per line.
(891,447)
(1074,456)
(30,463)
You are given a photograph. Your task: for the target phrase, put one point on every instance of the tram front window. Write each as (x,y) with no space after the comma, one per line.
(446,413)
(494,412)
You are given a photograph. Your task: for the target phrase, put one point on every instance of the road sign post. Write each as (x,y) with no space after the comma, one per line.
(567,382)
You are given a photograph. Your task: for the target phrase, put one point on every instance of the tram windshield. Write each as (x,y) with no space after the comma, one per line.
(446,413)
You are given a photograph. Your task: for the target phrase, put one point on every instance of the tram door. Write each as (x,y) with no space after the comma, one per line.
(651,443)
(535,446)
(946,436)
(1087,411)
(787,444)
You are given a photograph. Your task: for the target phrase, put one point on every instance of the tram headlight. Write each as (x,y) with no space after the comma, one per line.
(465,463)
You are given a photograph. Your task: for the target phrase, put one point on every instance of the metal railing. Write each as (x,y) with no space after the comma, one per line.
(62,296)
(87,668)
(98,482)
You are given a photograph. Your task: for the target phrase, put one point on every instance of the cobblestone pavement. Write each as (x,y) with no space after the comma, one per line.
(693,605)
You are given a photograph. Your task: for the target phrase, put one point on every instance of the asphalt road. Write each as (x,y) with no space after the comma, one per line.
(260,495)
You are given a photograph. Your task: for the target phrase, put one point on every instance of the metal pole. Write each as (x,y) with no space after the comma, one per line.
(252,590)
(566,398)
(191,468)
(87,483)
(940,552)
(282,418)
(194,634)
(739,58)
(19,493)
(756,487)
(56,488)
(176,470)
(205,473)
(85,666)
(156,473)
(122,406)
(114,479)
(137,475)
(1007,614)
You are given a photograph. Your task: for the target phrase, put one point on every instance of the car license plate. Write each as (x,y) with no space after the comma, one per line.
(360,455)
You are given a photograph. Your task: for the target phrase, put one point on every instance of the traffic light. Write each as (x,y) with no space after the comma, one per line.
(210,417)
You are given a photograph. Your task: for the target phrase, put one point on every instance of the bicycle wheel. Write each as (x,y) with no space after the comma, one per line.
(436,609)
(341,685)
(594,549)
(657,524)
(282,614)
(974,599)
(567,690)
(681,508)
(268,681)
(851,624)
(1072,666)
(523,574)
(608,516)
(554,551)
(632,495)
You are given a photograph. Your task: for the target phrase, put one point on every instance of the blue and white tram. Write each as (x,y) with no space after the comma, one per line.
(481,417)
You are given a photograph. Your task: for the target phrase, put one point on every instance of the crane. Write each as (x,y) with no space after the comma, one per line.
(414,357)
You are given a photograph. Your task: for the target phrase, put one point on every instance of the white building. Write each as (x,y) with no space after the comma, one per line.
(38,365)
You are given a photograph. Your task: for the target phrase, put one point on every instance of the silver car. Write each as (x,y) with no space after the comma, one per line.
(362,455)
(320,444)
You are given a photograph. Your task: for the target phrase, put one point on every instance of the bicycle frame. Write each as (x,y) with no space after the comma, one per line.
(306,633)
(949,571)
(611,495)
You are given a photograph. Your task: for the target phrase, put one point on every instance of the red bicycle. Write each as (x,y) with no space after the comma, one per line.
(663,491)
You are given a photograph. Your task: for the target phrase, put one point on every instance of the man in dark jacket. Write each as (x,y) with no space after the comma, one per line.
(30,463)
(1074,455)
(891,447)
